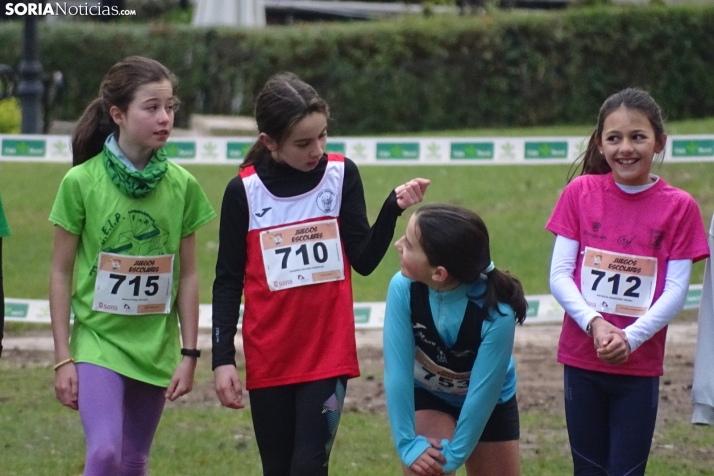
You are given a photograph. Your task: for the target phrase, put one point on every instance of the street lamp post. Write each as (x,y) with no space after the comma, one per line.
(29,86)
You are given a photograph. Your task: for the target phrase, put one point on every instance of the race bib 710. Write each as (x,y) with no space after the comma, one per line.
(298,255)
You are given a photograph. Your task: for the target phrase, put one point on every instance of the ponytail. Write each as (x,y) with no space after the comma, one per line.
(591,161)
(255,154)
(502,287)
(91,132)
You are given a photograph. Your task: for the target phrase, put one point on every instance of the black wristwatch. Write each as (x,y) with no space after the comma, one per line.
(191,352)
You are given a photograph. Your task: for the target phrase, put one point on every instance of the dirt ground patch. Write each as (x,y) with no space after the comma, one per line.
(539,375)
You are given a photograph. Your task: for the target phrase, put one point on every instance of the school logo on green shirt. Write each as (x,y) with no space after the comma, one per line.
(142,238)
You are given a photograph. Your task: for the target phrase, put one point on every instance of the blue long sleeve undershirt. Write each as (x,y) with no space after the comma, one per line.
(493,377)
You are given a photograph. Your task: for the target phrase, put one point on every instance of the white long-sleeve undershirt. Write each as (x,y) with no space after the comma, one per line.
(666,308)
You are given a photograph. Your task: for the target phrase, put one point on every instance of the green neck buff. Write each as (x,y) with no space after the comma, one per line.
(136,184)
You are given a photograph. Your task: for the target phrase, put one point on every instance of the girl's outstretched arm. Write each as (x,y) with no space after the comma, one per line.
(187,302)
(365,246)
(63,256)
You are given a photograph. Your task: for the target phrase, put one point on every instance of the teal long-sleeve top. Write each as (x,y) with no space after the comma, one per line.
(493,376)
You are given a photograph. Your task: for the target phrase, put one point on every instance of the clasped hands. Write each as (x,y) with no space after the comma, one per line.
(610,342)
(430,462)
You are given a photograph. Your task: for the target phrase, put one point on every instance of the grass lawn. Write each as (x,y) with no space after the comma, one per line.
(515,201)
(197,437)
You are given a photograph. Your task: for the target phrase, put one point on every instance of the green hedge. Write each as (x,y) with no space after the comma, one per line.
(505,69)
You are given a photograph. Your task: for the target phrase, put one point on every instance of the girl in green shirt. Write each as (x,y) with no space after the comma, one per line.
(125,219)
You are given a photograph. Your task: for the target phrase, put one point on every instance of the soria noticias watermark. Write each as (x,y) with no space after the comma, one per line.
(65,8)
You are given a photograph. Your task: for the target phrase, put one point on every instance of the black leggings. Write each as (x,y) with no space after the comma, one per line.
(295,425)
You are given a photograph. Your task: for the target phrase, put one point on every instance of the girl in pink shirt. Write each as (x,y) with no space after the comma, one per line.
(624,248)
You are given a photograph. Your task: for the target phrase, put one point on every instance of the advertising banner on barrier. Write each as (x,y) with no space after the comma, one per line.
(368,315)
(371,150)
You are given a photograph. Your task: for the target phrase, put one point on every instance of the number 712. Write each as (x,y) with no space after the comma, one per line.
(615,280)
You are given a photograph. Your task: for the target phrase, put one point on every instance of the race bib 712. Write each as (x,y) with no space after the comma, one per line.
(618,283)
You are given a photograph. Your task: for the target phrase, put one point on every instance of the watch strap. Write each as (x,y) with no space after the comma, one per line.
(191,352)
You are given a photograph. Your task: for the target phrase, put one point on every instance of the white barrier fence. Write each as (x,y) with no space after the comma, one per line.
(363,150)
(368,315)
(371,150)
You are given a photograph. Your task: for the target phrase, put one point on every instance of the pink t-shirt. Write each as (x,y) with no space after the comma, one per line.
(662,222)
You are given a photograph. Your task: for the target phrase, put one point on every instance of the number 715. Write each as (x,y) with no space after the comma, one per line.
(151,284)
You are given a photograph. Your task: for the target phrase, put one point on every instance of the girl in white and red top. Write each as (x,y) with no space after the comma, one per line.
(293,224)
(624,248)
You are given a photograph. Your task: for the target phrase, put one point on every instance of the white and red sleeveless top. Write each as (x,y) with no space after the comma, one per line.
(298,323)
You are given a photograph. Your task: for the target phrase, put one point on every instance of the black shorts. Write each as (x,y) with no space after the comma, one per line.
(502,425)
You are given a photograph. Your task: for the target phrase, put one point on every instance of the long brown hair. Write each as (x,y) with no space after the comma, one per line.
(457,239)
(592,161)
(283,102)
(117,89)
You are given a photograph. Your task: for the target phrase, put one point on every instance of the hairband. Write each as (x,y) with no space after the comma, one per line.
(488,269)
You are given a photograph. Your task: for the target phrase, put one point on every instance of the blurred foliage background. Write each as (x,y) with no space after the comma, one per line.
(501,68)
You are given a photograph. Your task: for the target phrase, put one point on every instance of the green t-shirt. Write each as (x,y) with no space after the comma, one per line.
(88,204)
(4,227)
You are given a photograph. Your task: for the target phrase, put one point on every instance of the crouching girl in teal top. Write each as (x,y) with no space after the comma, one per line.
(449,375)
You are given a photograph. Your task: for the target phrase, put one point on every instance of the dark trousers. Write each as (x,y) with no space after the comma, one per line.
(295,425)
(611,420)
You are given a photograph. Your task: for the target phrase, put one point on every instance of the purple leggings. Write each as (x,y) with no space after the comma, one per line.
(120,416)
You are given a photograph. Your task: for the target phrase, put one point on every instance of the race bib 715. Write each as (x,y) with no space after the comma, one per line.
(133,285)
